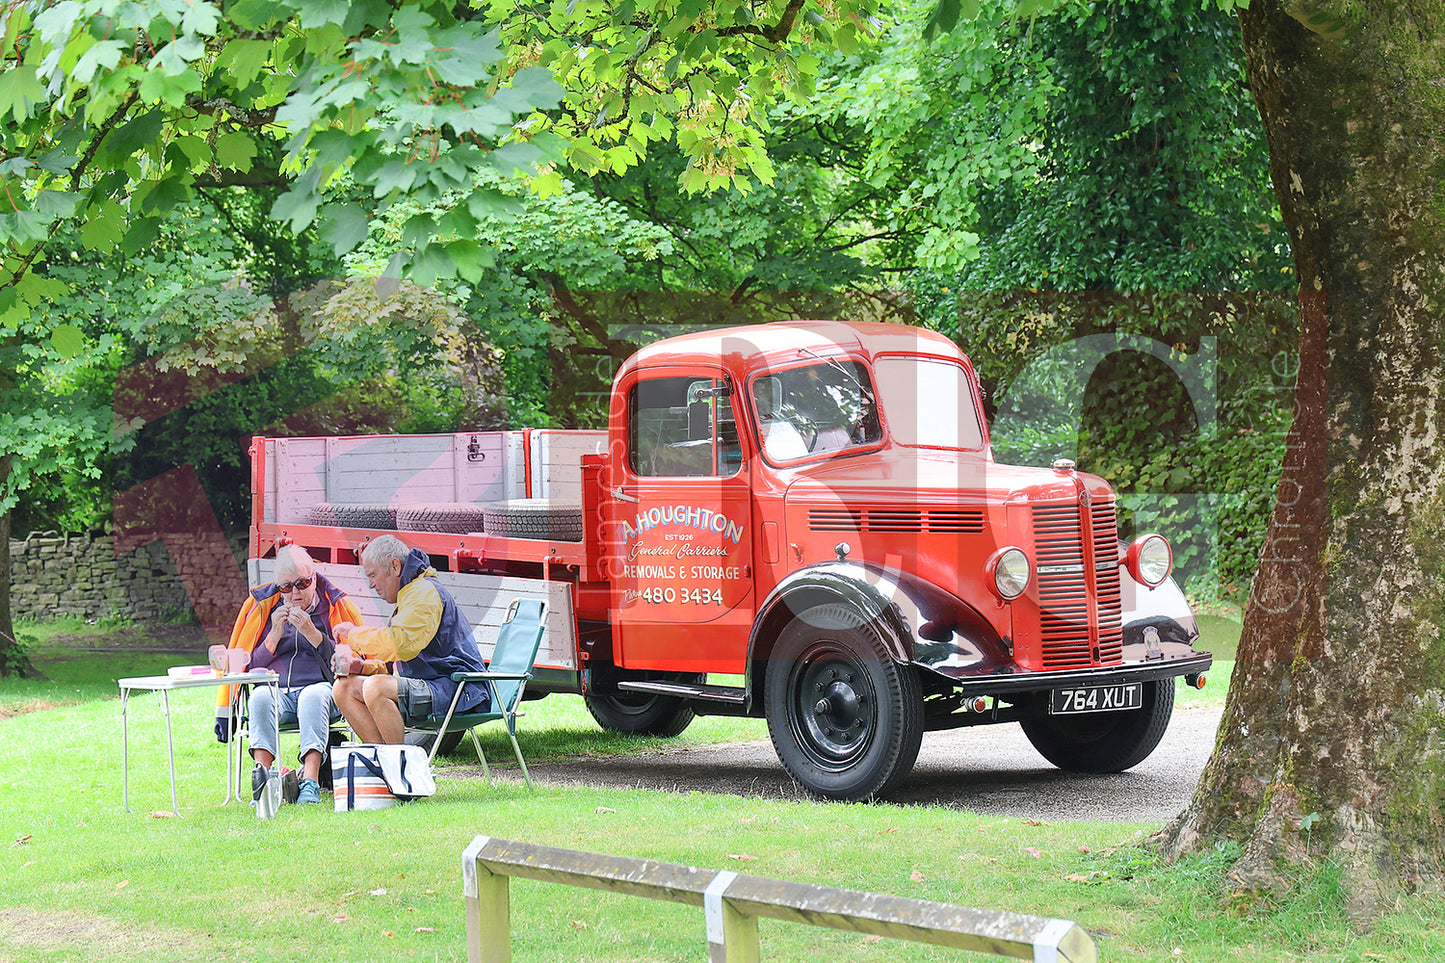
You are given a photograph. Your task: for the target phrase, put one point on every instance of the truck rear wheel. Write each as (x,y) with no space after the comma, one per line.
(1101,742)
(639,713)
(845,719)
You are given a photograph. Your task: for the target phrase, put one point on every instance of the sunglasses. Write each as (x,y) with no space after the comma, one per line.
(300,583)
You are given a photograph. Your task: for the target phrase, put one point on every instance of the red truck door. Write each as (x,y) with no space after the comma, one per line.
(683,602)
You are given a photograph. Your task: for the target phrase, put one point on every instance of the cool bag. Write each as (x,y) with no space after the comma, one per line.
(367,776)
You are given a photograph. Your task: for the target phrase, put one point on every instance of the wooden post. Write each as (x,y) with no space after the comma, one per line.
(732,936)
(488,898)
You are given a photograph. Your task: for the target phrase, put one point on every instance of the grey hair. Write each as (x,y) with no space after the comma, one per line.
(293,560)
(382,549)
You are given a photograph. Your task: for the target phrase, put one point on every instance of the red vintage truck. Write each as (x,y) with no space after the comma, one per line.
(798,521)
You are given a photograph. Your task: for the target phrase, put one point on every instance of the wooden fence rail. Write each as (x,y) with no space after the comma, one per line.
(732,904)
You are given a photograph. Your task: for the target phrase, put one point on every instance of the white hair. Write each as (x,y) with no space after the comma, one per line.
(382,549)
(293,560)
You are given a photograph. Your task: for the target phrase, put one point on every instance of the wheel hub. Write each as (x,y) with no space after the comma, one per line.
(835,711)
(840,710)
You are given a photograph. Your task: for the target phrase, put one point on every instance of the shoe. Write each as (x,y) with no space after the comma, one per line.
(308,792)
(258,783)
(290,785)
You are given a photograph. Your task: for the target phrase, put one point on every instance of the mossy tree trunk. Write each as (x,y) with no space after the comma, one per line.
(1332,745)
(14,661)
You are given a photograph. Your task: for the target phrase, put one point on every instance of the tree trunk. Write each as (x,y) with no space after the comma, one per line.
(1332,745)
(13,659)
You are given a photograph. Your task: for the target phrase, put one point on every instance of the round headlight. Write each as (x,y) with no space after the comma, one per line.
(1008,568)
(1150,560)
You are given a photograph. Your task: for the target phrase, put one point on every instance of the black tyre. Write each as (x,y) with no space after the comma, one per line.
(639,713)
(353,515)
(535,518)
(845,719)
(1101,742)
(450,741)
(454,517)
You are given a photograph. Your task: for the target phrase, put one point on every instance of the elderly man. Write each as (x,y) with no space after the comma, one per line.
(288,628)
(426,637)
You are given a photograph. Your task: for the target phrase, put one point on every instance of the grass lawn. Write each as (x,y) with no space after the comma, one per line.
(80,878)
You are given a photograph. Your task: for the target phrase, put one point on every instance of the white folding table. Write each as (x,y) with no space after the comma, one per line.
(163,685)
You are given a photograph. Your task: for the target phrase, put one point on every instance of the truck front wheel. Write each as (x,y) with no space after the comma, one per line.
(1100,742)
(639,713)
(845,719)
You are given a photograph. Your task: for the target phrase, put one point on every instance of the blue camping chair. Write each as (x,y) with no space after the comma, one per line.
(506,679)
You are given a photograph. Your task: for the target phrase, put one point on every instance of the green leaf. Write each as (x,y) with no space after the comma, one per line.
(432,264)
(200,17)
(298,205)
(104,55)
(245,58)
(104,228)
(141,233)
(316,13)
(486,203)
(20,89)
(197,152)
(235,151)
(67,340)
(343,226)
(140,133)
(24,226)
(56,204)
(471,259)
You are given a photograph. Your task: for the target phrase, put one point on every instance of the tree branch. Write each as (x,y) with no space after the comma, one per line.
(777,33)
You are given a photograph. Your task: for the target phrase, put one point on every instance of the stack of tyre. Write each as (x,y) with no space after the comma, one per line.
(539,518)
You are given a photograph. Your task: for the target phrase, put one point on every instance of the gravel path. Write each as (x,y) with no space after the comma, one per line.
(990,769)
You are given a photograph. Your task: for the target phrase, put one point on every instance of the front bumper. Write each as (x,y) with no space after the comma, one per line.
(1013,680)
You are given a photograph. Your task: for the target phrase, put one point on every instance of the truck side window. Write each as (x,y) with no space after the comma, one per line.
(683,427)
(815,408)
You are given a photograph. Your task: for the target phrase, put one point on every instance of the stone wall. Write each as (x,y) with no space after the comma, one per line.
(79,575)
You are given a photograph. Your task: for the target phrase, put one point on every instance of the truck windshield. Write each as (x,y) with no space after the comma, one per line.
(928,403)
(815,409)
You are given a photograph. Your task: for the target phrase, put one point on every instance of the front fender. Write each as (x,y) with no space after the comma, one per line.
(918,622)
(1165,608)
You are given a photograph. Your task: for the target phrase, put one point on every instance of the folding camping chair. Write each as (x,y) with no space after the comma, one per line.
(506,679)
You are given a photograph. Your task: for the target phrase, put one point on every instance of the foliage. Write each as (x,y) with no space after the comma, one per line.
(1180,400)
(1152,170)
(119,113)
(702,75)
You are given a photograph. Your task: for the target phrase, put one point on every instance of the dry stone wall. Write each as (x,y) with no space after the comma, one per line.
(79,575)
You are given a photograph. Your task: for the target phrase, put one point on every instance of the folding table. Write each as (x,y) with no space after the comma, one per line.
(164,685)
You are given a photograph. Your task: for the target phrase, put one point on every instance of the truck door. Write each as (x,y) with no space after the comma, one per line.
(684,600)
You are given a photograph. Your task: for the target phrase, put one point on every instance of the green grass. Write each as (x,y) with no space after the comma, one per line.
(82,879)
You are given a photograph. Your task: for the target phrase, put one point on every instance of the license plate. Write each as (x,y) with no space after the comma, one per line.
(1098,698)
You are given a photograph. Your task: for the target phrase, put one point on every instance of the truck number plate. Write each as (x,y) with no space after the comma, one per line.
(1102,698)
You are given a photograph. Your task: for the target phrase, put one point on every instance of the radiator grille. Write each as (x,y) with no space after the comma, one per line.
(1066,570)
(952,521)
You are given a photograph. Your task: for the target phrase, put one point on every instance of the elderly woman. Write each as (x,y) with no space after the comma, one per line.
(287,627)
